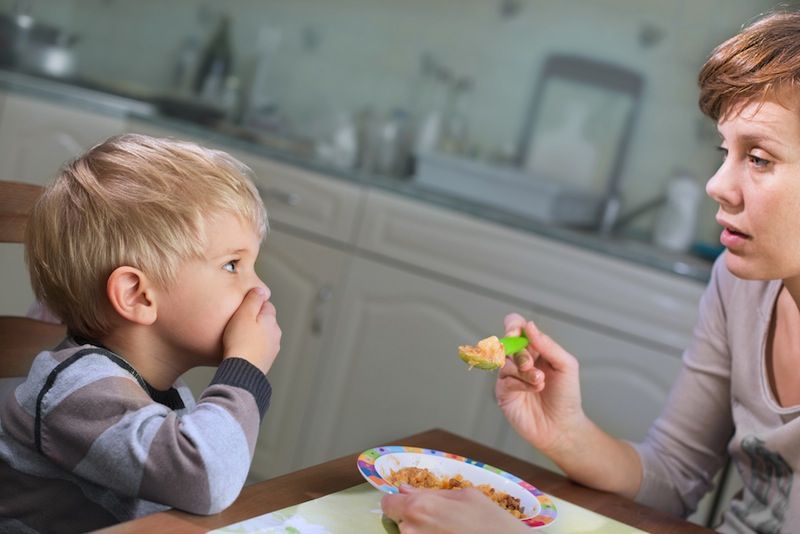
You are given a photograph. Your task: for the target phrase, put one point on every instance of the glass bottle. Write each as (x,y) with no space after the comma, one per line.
(454,136)
(216,62)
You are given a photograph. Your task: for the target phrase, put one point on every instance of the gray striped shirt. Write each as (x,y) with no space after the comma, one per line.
(85,442)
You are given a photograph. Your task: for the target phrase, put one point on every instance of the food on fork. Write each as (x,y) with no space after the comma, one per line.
(490,353)
(419,477)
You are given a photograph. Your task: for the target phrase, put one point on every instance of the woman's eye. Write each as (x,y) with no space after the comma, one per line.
(723,151)
(758,162)
(231,266)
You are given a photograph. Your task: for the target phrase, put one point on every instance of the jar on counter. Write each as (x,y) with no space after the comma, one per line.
(676,220)
(393,145)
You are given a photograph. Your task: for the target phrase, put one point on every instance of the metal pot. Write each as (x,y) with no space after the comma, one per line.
(50,59)
(36,47)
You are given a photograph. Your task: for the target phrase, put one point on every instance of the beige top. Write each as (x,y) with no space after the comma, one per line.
(722,400)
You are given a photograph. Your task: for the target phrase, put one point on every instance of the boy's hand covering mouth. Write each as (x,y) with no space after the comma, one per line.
(490,353)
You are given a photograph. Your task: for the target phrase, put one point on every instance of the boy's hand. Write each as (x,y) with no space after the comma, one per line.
(253,332)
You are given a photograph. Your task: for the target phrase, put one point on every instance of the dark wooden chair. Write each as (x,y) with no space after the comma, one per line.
(21,338)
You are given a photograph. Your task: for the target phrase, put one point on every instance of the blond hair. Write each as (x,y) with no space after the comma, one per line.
(131,200)
(761,62)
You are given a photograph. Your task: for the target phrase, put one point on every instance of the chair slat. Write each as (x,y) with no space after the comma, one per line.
(16,201)
(21,338)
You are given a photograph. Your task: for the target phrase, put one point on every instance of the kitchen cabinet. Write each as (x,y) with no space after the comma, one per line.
(305,279)
(607,294)
(36,138)
(393,368)
(626,325)
(427,280)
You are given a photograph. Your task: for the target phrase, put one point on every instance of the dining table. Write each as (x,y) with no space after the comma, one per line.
(340,474)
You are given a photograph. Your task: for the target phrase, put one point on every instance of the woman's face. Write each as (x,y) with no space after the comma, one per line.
(757,188)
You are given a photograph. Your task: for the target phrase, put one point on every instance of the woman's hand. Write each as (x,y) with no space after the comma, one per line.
(423,511)
(539,390)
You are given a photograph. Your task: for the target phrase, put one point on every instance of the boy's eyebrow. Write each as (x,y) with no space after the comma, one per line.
(231,252)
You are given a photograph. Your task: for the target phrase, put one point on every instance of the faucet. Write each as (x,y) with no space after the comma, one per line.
(612,224)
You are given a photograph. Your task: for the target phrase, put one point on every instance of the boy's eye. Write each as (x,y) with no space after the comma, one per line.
(231,266)
(723,151)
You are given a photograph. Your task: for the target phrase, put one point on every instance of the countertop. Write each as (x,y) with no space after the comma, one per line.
(114,101)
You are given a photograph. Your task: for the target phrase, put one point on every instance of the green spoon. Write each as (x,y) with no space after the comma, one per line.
(514,344)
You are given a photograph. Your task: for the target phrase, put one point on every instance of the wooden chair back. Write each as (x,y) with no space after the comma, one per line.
(21,338)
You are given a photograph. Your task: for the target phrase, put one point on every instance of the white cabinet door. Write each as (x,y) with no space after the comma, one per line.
(305,279)
(306,282)
(36,138)
(393,368)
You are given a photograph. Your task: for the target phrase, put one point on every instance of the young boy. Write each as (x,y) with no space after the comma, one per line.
(145,248)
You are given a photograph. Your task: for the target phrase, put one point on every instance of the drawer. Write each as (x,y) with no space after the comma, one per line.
(306,200)
(294,197)
(606,293)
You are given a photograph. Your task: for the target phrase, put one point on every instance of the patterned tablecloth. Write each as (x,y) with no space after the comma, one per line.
(357,509)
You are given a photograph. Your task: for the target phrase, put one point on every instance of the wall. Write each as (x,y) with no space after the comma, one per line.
(342,56)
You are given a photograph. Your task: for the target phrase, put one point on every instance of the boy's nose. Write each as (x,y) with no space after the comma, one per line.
(260,283)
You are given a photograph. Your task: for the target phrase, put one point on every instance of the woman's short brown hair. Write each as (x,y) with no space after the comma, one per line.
(131,200)
(761,62)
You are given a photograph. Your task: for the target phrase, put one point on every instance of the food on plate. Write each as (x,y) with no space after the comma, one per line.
(419,477)
(489,354)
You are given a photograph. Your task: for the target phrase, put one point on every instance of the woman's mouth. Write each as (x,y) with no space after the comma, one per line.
(733,238)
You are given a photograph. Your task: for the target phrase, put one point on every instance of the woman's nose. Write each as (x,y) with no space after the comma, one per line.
(722,186)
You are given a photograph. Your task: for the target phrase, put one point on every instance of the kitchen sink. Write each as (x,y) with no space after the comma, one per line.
(510,189)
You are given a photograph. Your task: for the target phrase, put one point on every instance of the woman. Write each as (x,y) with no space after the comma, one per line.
(738,392)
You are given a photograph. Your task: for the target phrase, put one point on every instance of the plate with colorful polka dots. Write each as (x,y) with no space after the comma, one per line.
(387,467)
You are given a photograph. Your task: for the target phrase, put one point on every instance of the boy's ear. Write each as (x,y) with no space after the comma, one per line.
(131,294)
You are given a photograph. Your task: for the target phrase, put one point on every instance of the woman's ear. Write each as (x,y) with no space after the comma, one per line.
(131,294)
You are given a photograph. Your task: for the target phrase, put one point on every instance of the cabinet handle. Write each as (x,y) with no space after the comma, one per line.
(324,294)
(286,197)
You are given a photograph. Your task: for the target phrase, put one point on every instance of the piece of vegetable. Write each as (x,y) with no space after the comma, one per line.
(490,353)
